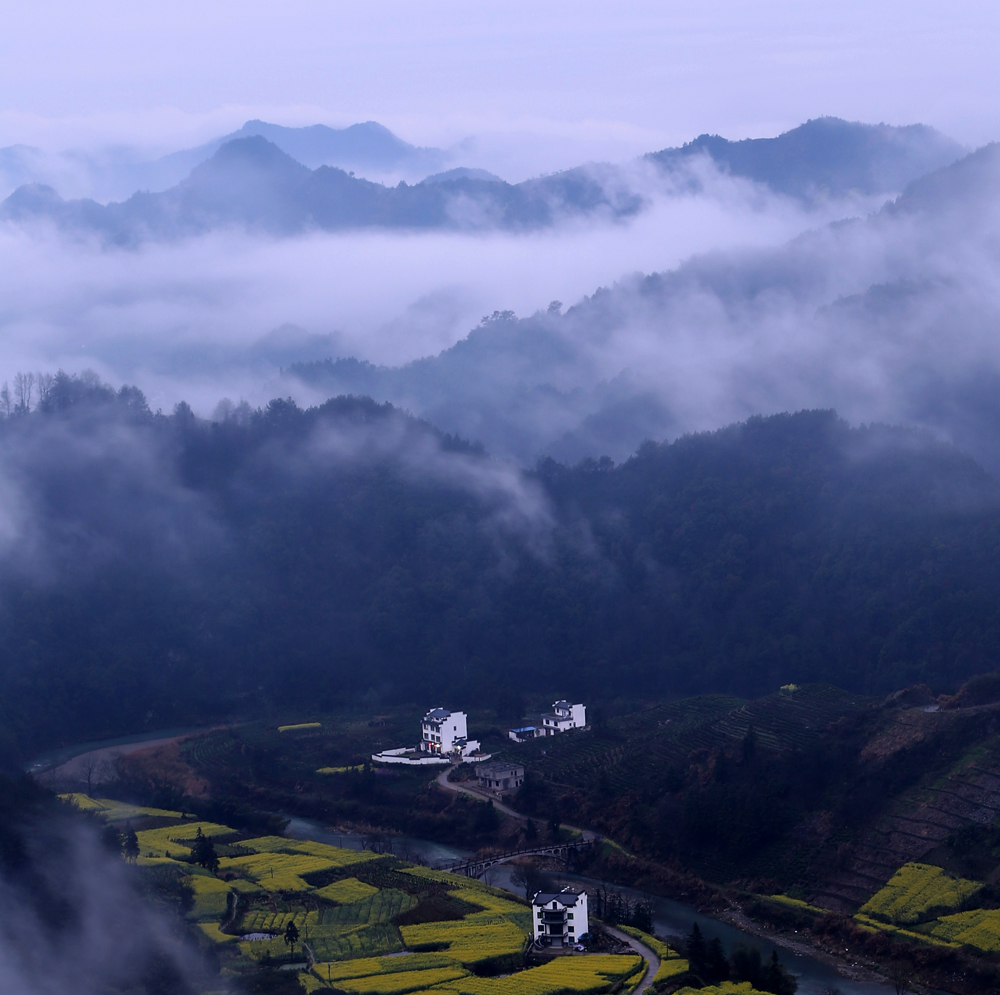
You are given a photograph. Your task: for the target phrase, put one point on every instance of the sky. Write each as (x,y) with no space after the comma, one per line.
(556,81)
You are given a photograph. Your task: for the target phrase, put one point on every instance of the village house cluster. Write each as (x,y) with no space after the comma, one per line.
(444,739)
(562,718)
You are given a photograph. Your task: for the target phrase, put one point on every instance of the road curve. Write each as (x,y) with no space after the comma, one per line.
(652,959)
(457,786)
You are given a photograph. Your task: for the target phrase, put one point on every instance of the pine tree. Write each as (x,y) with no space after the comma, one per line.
(697,949)
(203,852)
(291,935)
(131,848)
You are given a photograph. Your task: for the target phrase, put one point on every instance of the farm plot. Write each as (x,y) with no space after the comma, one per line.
(979,928)
(175,841)
(915,891)
(276,871)
(346,890)
(583,975)
(369,966)
(116,811)
(467,940)
(210,896)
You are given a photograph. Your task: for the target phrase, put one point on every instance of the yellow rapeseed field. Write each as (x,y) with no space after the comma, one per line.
(593,973)
(277,871)
(402,981)
(467,941)
(115,811)
(914,890)
(210,896)
(346,890)
(176,840)
(300,725)
(362,967)
(979,928)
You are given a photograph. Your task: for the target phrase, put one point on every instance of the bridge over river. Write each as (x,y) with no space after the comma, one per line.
(476,866)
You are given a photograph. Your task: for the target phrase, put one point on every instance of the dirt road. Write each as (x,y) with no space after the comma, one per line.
(462,788)
(640,948)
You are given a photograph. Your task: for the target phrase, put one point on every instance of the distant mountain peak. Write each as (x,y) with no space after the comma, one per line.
(826,155)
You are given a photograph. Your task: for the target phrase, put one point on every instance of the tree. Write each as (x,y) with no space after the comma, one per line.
(697,949)
(531,831)
(778,980)
(112,840)
(24,389)
(44,384)
(88,767)
(203,852)
(291,936)
(901,976)
(131,847)
(716,965)
(6,400)
(530,878)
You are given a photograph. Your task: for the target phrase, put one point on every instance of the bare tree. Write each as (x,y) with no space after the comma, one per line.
(88,767)
(901,975)
(44,384)
(24,390)
(6,400)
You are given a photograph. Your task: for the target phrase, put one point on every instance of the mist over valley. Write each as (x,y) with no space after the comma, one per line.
(499,501)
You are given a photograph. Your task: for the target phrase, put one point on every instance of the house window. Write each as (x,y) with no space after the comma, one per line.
(571,929)
(571,915)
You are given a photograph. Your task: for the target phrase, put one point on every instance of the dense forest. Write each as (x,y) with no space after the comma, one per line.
(160,569)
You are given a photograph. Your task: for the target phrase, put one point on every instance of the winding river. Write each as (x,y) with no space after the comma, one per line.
(671,920)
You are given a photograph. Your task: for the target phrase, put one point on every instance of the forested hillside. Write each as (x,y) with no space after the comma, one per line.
(159,570)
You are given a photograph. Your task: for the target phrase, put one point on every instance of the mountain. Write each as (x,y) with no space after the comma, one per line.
(161,570)
(369,148)
(825,157)
(221,182)
(868,316)
(250,182)
(115,173)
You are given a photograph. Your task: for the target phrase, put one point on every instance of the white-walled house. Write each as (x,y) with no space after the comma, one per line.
(559,918)
(443,732)
(563,717)
(444,738)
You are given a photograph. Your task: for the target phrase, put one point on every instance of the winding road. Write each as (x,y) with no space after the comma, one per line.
(459,787)
(652,959)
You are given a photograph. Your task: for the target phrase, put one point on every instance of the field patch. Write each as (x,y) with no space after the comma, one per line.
(346,890)
(589,974)
(175,841)
(115,811)
(979,928)
(918,892)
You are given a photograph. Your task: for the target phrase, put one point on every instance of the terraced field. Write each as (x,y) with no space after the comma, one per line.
(638,748)
(352,909)
(921,819)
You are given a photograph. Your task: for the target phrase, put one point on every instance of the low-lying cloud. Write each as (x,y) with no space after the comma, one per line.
(187,320)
